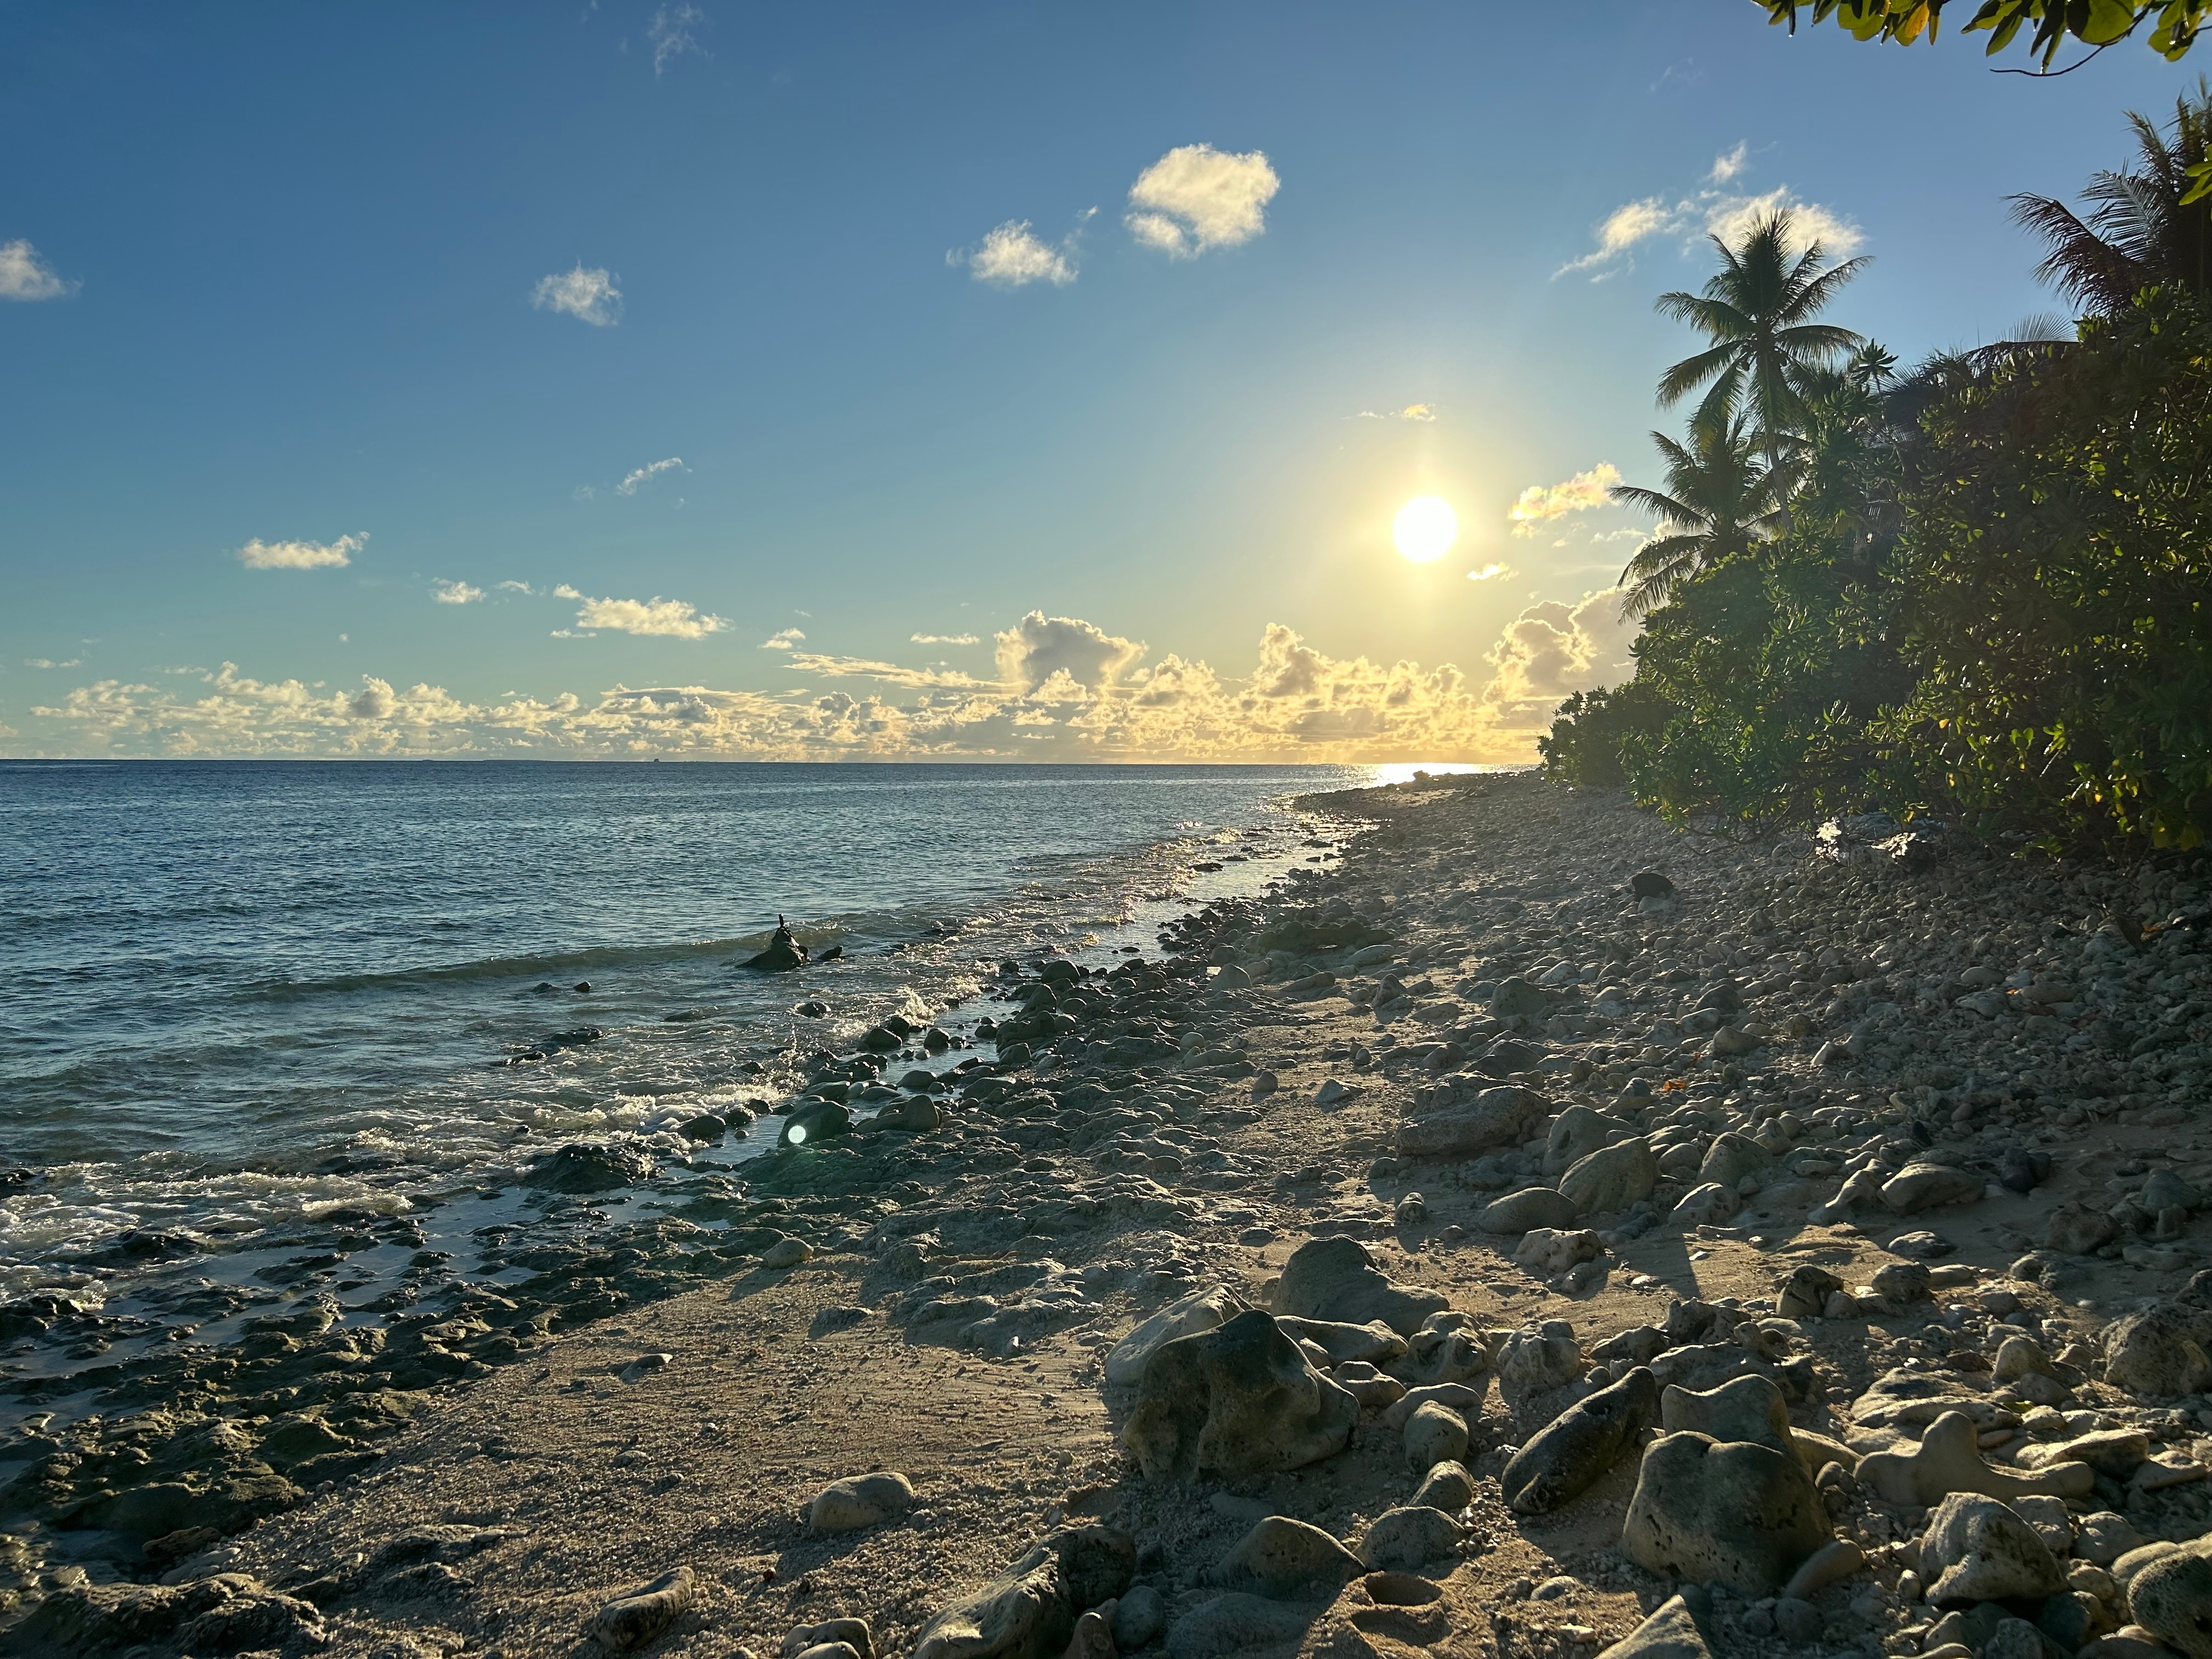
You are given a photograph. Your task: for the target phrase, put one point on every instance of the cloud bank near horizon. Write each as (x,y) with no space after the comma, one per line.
(1067,690)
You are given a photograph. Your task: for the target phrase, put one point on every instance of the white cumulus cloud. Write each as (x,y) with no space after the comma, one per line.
(1038,646)
(1196,197)
(1410,412)
(1013,256)
(589,296)
(784,639)
(1541,503)
(301,555)
(455,592)
(647,473)
(1552,649)
(945,639)
(25,276)
(1727,164)
(674,618)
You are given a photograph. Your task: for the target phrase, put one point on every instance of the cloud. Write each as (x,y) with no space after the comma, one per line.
(670,32)
(1541,503)
(1489,573)
(1711,210)
(1410,412)
(1809,222)
(25,276)
(784,639)
(48,662)
(516,587)
(648,472)
(671,618)
(1074,693)
(455,592)
(1037,646)
(1552,649)
(1196,197)
(590,296)
(891,673)
(945,639)
(301,555)
(1014,256)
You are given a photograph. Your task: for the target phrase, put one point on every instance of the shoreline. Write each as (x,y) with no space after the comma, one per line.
(950,1293)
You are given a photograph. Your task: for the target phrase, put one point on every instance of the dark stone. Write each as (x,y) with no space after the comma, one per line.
(1650,883)
(1566,1456)
(784,955)
(2023,1169)
(589,1167)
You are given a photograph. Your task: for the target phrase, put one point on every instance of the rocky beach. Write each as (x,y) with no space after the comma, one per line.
(1528,1230)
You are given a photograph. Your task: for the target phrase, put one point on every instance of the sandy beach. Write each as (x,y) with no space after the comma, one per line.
(1703,1195)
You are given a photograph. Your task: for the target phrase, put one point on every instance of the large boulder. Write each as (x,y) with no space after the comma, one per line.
(1612,1178)
(1239,1400)
(1335,1278)
(1538,1357)
(1202,1310)
(1493,1116)
(1575,1133)
(1566,1456)
(2172,1598)
(1743,1514)
(1749,1407)
(1730,1158)
(1919,1186)
(1977,1549)
(1530,1208)
(2160,1351)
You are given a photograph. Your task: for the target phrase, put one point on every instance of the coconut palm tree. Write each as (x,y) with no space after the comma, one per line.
(1766,349)
(2141,230)
(1719,501)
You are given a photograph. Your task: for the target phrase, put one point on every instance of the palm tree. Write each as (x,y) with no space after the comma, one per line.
(1719,501)
(1766,349)
(2141,230)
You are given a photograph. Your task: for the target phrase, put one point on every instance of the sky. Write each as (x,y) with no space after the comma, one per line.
(1035,382)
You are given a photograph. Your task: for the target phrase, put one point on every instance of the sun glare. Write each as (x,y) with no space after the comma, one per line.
(1426,528)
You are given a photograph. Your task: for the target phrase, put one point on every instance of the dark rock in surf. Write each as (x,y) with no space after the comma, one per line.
(586,1167)
(784,955)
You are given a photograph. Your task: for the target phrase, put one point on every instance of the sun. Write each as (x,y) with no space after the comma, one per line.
(1426,528)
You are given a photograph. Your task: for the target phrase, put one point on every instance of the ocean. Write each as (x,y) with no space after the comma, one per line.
(238,996)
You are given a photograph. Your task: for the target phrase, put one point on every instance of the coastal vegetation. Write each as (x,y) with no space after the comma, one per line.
(1980,588)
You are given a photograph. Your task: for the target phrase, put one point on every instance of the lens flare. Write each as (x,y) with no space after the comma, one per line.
(795,1133)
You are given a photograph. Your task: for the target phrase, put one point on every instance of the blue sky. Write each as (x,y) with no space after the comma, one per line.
(710,322)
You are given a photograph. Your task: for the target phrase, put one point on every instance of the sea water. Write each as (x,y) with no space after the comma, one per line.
(236,996)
